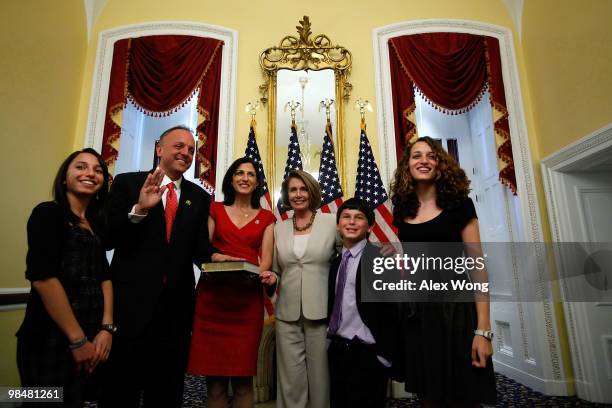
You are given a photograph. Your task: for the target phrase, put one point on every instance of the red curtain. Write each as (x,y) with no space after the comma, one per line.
(117,94)
(208,108)
(160,74)
(452,71)
(498,101)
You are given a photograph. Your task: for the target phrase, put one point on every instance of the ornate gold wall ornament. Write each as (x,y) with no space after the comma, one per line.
(305,52)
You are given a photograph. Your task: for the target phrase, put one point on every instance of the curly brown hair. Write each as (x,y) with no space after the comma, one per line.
(452,185)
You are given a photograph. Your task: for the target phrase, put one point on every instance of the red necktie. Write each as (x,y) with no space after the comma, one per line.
(171,206)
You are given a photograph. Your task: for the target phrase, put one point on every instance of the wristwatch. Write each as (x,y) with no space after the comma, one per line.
(111,328)
(484,333)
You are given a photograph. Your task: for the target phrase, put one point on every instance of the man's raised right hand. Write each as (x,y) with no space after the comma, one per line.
(151,192)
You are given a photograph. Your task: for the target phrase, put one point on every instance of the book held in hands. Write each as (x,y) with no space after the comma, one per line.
(231,272)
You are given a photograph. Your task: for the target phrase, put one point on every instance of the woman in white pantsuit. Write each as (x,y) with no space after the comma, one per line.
(304,246)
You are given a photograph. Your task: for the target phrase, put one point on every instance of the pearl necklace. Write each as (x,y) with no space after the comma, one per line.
(305,227)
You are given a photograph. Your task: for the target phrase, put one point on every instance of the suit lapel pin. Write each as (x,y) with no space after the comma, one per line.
(188,202)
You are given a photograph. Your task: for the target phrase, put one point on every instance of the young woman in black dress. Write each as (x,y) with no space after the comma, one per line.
(68,325)
(446,362)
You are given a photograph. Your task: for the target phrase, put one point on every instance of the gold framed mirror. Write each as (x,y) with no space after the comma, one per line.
(308,70)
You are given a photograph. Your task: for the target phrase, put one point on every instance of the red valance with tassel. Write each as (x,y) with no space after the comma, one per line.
(452,71)
(160,74)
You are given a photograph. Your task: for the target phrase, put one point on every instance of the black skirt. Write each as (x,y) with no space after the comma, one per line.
(437,350)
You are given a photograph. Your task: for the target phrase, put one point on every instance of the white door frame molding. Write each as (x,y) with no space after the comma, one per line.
(580,154)
(227,103)
(549,376)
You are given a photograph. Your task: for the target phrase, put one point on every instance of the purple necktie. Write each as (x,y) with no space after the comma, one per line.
(336,317)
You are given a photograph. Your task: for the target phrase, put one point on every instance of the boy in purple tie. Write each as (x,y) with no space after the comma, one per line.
(363,336)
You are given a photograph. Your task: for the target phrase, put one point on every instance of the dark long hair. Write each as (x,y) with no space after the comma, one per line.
(452,185)
(229,194)
(95,209)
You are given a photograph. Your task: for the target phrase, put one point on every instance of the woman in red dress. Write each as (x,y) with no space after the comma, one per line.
(229,316)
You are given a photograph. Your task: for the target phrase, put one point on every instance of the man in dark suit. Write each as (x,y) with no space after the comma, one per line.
(158,228)
(363,335)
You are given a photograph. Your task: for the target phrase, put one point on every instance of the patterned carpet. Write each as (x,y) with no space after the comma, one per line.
(194,394)
(512,394)
(509,392)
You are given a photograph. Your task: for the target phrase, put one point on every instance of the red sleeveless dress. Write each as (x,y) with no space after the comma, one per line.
(228,318)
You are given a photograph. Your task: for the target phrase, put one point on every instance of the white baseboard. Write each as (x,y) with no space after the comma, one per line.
(13,291)
(397,390)
(545,386)
(9,308)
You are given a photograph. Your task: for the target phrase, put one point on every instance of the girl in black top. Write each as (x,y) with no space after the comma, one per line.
(62,340)
(446,363)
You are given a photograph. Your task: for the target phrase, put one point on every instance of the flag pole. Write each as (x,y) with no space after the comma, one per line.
(252,151)
(293,107)
(294,156)
(363,105)
(332,194)
(370,187)
(327,103)
(252,108)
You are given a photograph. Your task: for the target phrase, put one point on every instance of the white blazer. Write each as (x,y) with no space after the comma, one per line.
(303,281)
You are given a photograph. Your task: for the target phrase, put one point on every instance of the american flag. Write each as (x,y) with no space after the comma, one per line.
(371,189)
(331,191)
(294,162)
(252,151)
(265,201)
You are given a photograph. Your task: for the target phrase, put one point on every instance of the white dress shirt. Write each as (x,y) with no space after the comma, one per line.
(299,244)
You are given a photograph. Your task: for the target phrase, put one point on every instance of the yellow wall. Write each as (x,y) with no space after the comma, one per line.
(48,66)
(43,44)
(261,24)
(42,68)
(568,54)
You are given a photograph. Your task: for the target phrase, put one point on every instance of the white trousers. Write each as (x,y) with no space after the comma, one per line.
(301,355)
